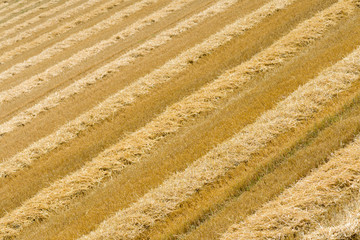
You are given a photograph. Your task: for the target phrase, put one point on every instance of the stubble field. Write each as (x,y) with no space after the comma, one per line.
(180,119)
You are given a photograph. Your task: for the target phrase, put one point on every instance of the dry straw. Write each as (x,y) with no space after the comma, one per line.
(162,74)
(288,114)
(344,225)
(13,6)
(133,147)
(301,207)
(59,96)
(128,95)
(16,9)
(50,10)
(57,20)
(310,31)
(76,38)
(127,58)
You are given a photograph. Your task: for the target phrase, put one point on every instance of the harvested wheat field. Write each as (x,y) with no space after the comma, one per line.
(179,119)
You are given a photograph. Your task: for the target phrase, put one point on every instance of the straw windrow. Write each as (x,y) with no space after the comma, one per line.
(50,11)
(91,13)
(303,206)
(300,106)
(78,37)
(127,58)
(16,9)
(130,94)
(131,149)
(11,8)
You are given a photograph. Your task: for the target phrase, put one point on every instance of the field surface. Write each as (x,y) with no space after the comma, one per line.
(179,119)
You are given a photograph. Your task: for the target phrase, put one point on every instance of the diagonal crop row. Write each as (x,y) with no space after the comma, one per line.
(10,7)
(132,148)
(78,37)
(15,9)
(50,11)
(301,207)
(263,181)
(128,95)
(285,49)
(91,13)
(125,59)
(296,109)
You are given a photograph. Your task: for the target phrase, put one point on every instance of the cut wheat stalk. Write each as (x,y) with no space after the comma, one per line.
(23,24)
(296,109)
(54,21)
(285,49)
(81,36)
(303,206)
(133,147)
(127,58)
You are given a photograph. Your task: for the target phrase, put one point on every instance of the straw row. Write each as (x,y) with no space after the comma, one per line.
(11,7)
(127,58)
(347,225)
(163,74)
(131,93)
(15,9)
(133,147)
(301,207)
(50,11)
(54,21)
(288,114)
(262,62)
(56,98)
(77,37)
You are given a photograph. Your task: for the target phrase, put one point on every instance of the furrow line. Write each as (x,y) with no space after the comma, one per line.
(50,11)
(76,38)
(301,207)
(301,105)
(125,59)
(8,55)
(133,147)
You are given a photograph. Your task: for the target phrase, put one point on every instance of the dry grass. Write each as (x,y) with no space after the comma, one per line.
(294,110)
(58,31)
(11,7)
(134,181)
(127,58)
(301,208)
(92,173)
(130,149)
(14,9)
(124,97)
(346,226)
(198,210)
(77,37)
(285,161)
(51,10)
